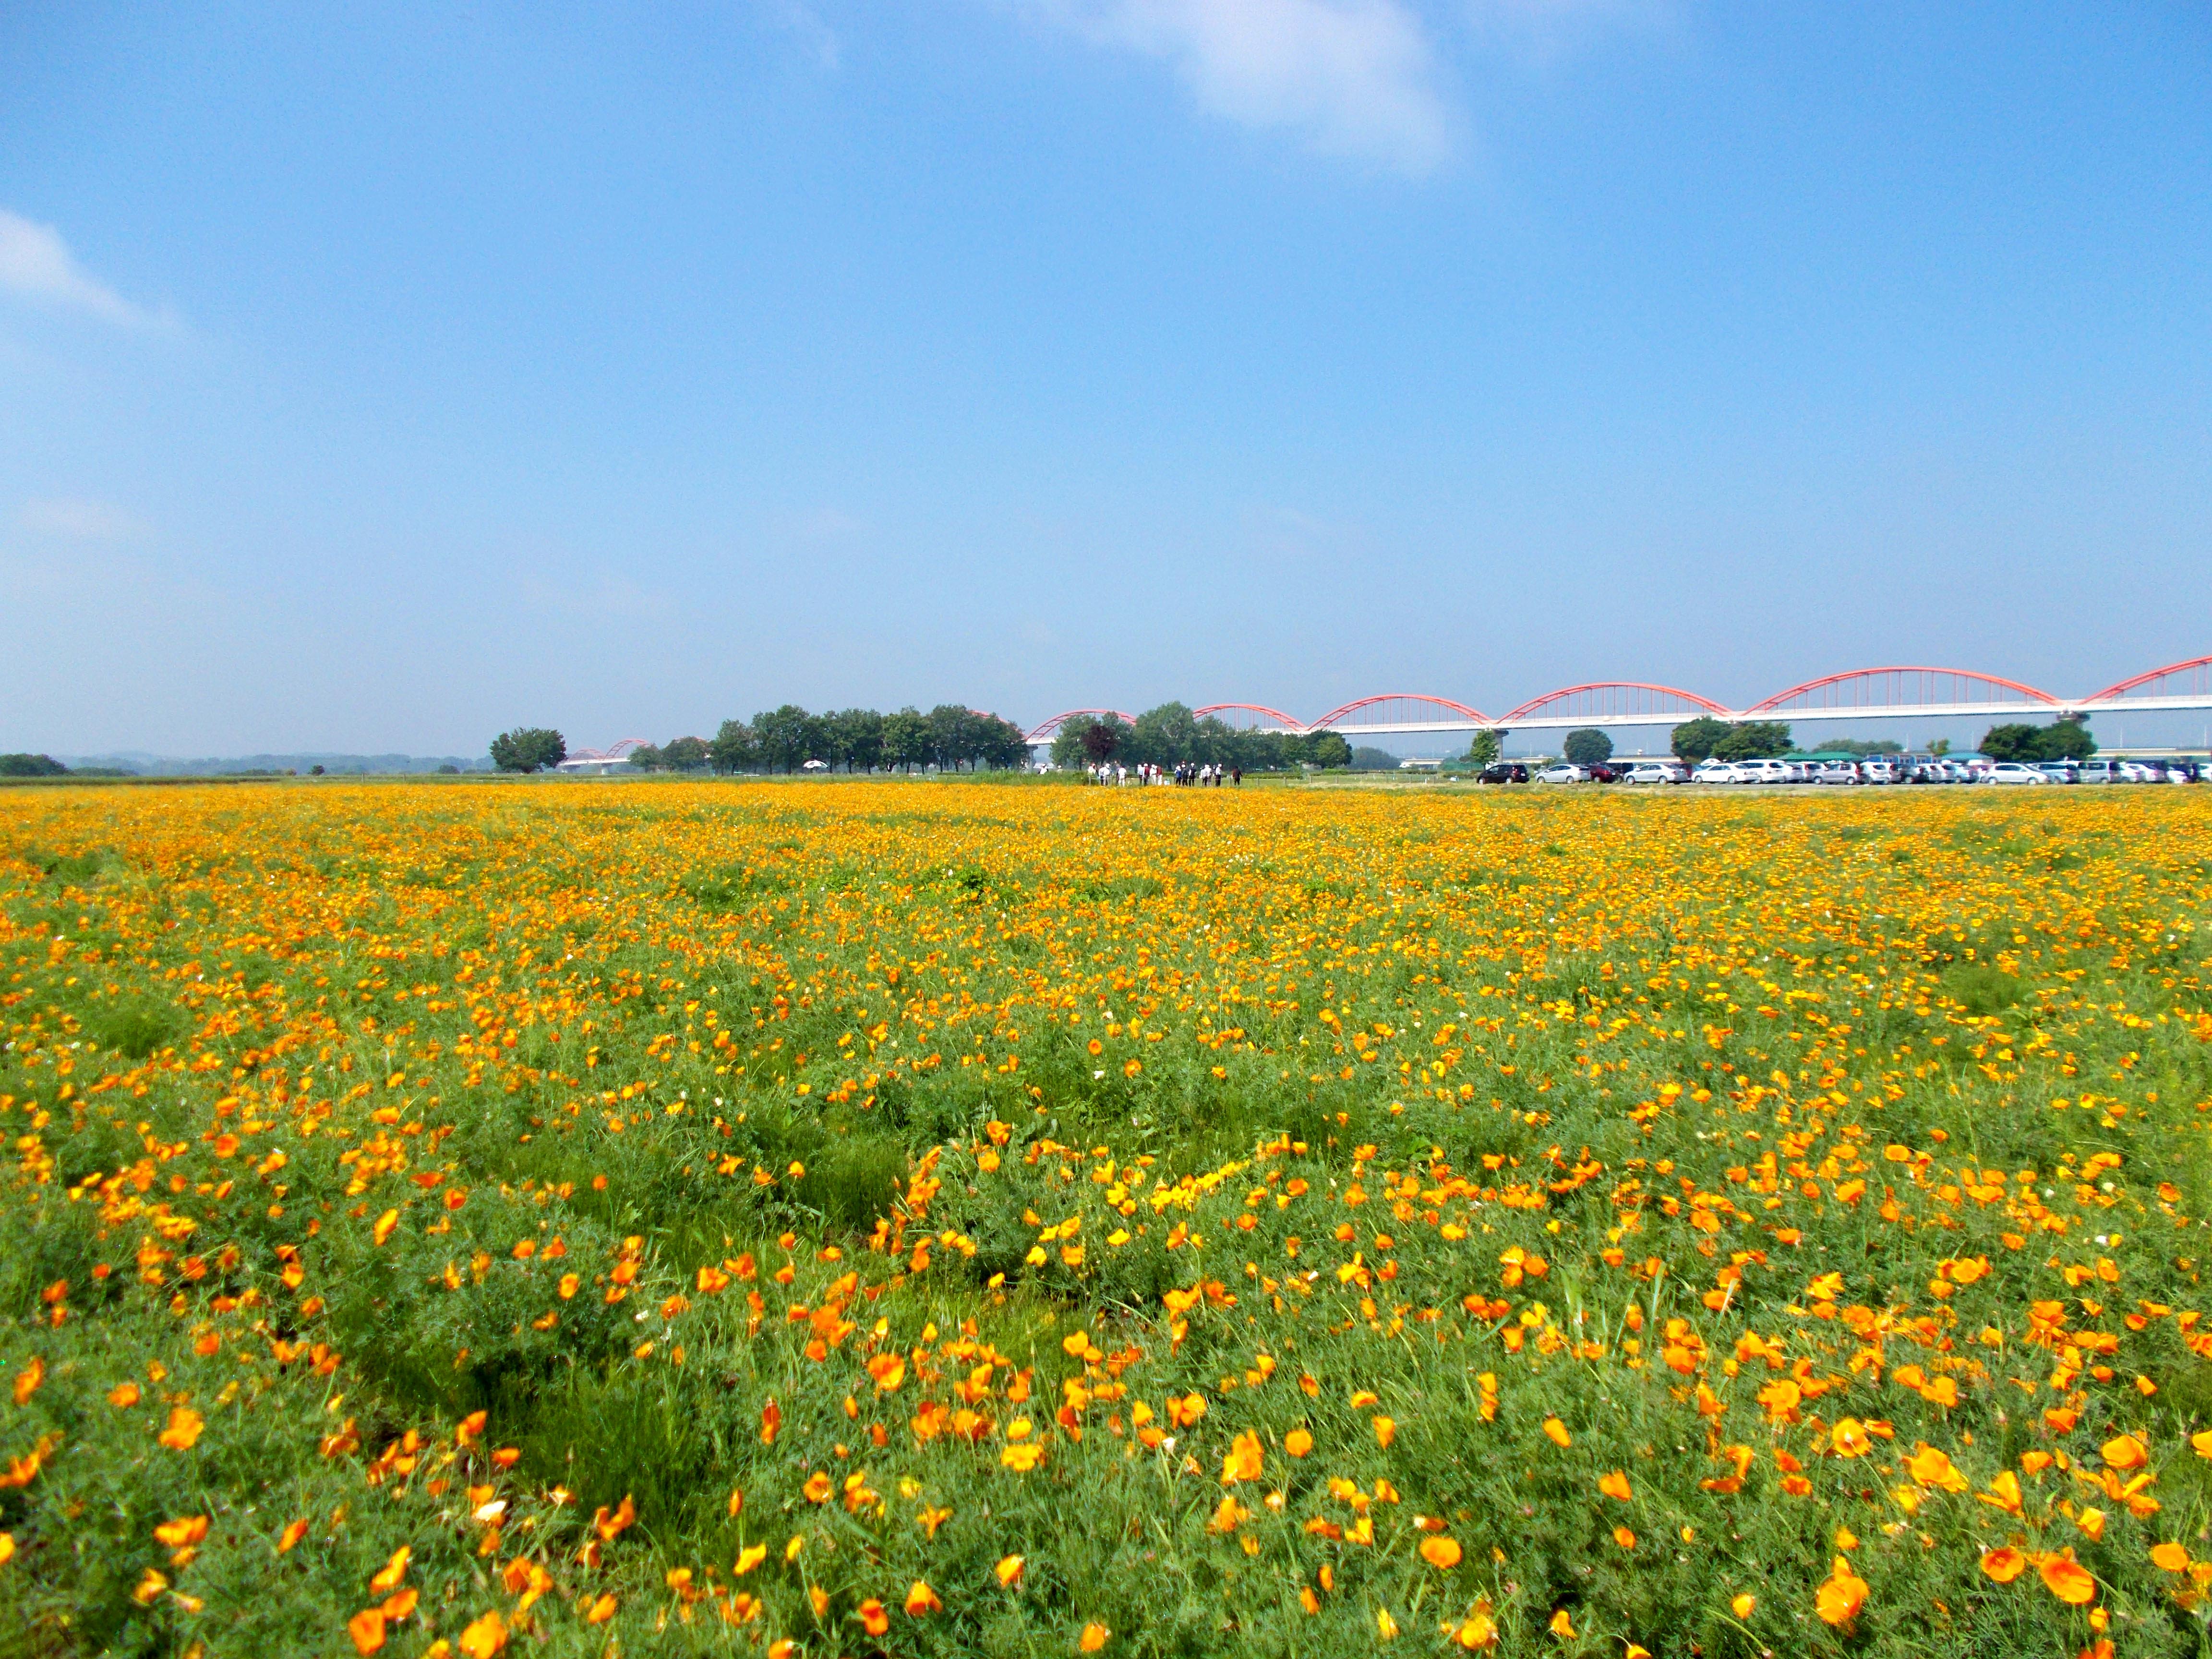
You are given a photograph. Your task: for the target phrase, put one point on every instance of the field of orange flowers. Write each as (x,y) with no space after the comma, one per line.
(934,1218)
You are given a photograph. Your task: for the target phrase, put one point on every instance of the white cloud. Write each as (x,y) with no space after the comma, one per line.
(80,520)
(802,21)
(1356,77)
(36,262)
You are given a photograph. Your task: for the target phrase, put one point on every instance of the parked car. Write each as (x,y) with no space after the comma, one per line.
(1657,772)
(1603,772)
(1881,768)
(2099,771)
(1713,771)
(2061,771)
(1504,772)
(1565,772)
(1840,771)
(2013,772)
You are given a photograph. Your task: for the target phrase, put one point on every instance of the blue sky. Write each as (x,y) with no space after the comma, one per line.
(379,377)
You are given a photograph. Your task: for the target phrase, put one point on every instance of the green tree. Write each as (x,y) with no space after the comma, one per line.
(1001,744)
(786,737)
(2016,741)
(685,754)
(854,738)
(1329,750)
(1366,758)
(2068,739)
(1587,746)
(954,739)
(1164,736)
(528,749)
(906,738)
(733,749)
(1693,740)
(1754,740)
(646,757)
(30,766)
(1486,746)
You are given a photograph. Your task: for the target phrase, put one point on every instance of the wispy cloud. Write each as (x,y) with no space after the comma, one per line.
(801,19)
(1356,78)
(78,521)
(35,263)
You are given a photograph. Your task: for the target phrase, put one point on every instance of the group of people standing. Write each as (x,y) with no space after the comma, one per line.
(1187,775)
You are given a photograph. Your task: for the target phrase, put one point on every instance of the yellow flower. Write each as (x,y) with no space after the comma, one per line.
(1009,1569)
(1558,1431)
(1742,1605)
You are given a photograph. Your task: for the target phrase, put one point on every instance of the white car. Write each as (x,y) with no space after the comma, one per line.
(1713,771)
(1655,772)
(2013,772)
(1877,769)
(1835,772)
(1564,773)
(1763,771)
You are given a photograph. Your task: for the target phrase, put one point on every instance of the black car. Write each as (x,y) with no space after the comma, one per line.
(1504,772)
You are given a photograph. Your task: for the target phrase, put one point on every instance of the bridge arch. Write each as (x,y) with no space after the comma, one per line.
(1408,711)
(1603,702)
(615,751)
(2194,677)
(1050,729)
(1250,717)
(1923,691)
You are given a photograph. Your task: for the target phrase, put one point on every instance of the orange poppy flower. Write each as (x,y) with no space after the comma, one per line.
(293,1533)
(2125,1453)
(2004,1564)
(1009,1570)
(1243,1461)
(920,1598)
(484,1636)
(600,1610)
(183,1430)
(123,1395)
(1094,1637)
(818,1487)
(2067,1579)
(384,1224)
(1298,1443)
(2170,1557)
(1615,1485)
(367,1629)
(1840,1596)
(1385,1432)
(1626,1539)
(1441,1554)
(1558,1431)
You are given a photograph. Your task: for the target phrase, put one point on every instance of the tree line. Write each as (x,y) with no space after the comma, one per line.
(1170,735)
(949,736)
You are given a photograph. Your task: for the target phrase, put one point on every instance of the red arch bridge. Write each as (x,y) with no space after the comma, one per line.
(1863,694)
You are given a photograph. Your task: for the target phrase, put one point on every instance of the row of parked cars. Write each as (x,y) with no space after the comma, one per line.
(1874,769)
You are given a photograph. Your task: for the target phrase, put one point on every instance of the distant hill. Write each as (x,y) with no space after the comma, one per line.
(147,765)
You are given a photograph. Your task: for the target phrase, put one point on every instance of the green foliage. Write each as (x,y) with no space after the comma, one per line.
(1485,748)
(1696,740)
(30,766)
(2065,739)
(1367,759)
(1587,746)
(528,749)
(1327,749)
